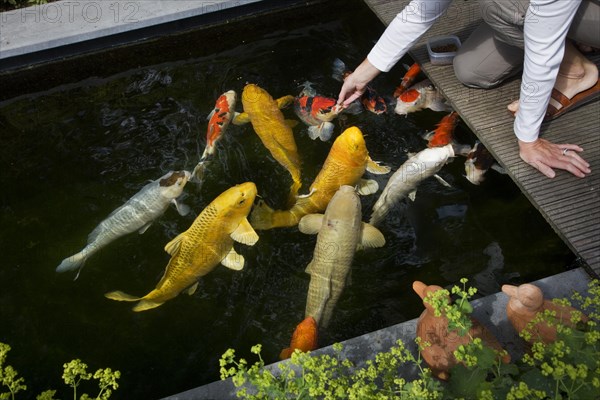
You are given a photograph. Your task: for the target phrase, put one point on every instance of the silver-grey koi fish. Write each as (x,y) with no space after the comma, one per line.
(137,213)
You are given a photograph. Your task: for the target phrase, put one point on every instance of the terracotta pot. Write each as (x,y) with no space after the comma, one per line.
(434,330)
(525,301)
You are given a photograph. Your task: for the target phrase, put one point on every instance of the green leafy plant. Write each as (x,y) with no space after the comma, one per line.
(8,376)
(457,312)
(569,368)
(74,373)
(330,377)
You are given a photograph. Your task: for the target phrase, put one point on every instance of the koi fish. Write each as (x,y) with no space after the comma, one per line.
(275,133)
(479,161)
(408,79)
(405,180)
(137,213)
(316,111)
(444,132)
(345,165)
(303,339)
(370,99)
(419,97)
(218,121)
(340,232)
(207,242)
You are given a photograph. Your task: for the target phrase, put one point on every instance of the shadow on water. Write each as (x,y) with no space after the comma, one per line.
(72,154)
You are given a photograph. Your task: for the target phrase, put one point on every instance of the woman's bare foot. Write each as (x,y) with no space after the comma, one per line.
(576,74)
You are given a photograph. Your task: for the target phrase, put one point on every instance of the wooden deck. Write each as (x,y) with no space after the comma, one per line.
(569,204)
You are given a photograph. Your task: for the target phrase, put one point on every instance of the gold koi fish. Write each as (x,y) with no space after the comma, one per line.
(273,130)
(345,165)
(208,242)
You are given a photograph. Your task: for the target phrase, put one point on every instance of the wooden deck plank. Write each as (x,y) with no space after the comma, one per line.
(570,205)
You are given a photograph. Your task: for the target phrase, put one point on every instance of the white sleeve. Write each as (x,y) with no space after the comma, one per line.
(402,33)
(546,25)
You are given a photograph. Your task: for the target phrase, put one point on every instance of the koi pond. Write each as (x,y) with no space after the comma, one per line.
(73,153)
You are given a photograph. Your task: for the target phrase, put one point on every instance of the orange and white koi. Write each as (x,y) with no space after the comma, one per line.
(370,99)
(419,97)
(303,339)
(373,102)
(316,111)
(219,120)
(408,79)
(444,132)
(479,161)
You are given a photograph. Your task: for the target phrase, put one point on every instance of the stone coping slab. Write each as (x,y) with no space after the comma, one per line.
(62,23)
(489,310)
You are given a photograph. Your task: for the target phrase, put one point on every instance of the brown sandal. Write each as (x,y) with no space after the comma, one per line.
(567,104)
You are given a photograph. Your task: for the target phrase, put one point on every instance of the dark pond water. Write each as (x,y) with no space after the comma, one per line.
(72,154)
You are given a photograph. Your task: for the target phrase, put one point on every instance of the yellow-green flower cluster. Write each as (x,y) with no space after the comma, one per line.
(522,391)
(8,375)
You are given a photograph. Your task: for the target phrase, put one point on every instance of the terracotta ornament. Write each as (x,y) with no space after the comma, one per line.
(434,330)
(525,301)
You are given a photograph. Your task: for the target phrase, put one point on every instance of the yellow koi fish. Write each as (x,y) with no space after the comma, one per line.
(273,130)
(345,165)
(208,242)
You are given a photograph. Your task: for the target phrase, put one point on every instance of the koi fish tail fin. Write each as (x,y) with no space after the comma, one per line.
(264,217)
(144,304)
(322,131)
(76,261)
(121,296)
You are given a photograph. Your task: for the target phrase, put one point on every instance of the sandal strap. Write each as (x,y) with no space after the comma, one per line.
(550,111)
(561,98)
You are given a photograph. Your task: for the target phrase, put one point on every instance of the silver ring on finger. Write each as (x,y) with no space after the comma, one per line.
(564,152)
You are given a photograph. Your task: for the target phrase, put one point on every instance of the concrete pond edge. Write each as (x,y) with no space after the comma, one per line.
(489,310)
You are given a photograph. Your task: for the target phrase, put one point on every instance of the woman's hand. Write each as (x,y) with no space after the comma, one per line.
(544,156)
(355,84)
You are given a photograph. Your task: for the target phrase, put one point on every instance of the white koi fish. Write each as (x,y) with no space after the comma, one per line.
(419,97)
(405,180)
(137,213)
